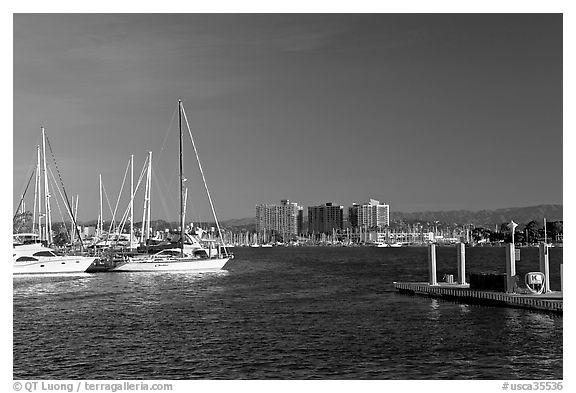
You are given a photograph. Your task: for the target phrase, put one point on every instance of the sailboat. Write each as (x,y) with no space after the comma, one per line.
(177,260)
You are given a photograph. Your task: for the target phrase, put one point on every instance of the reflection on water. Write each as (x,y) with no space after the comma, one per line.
(434,314)
(276,314)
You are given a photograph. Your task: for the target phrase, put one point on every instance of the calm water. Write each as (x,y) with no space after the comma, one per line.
(282,313)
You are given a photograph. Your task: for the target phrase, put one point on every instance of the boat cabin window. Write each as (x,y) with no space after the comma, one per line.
(26,259)
(201,254)
(169,253)
(44,254)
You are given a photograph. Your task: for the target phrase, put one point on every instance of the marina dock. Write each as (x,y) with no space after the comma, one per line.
(551,301)
(481,291)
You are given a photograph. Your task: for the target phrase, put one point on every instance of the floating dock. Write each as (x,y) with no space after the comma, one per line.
(551,301)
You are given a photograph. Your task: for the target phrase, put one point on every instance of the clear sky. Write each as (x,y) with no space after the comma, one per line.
(421,111)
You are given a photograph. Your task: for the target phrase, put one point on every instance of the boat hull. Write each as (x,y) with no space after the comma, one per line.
(69,264)
(187,265)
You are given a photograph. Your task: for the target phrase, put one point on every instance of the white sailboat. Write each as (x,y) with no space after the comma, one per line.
(177,260)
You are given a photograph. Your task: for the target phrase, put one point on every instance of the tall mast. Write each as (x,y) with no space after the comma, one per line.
(131,198)
(143,231)
(181,181)
(101,221)
(37,198)
(149,194)
(46,191)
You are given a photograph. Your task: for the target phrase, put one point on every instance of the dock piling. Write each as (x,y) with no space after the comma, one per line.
(461,249)
(432,264)
(510,267)
(543,257)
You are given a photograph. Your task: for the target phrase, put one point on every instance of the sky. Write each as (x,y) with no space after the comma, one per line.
(424,112)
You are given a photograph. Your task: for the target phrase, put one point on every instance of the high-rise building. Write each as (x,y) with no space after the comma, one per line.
(325,218)
(284,220)
(300,221)
(373,214)
(353,215)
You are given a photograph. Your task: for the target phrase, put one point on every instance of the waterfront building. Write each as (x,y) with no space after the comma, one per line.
(300,220)
(284,220)
(353,215)
(371,214)
(325,218)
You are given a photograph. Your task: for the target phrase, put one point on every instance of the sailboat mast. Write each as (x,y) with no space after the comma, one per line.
(181,180)
(143,228)
(37,196)
(46,191)
(149,195)
(101,221)
(131,200)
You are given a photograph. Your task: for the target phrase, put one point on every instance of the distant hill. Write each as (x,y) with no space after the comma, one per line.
(248,224)
(520,215)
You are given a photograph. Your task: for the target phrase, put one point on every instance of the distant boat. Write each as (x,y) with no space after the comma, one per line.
(381,245)
(176,259)
(256,245)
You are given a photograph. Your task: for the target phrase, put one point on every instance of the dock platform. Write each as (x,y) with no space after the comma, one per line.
(551,302)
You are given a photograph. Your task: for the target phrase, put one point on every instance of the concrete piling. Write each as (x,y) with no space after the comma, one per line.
(461,250)
(543,257)
(510,267)
(432,264)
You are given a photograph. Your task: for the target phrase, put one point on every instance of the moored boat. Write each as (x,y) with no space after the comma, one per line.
(171,260)
(199,259)
(35,258)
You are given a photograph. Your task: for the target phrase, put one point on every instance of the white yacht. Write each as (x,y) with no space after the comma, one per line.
(34,258)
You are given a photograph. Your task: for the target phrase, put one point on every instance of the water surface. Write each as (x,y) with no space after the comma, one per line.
(282,313)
